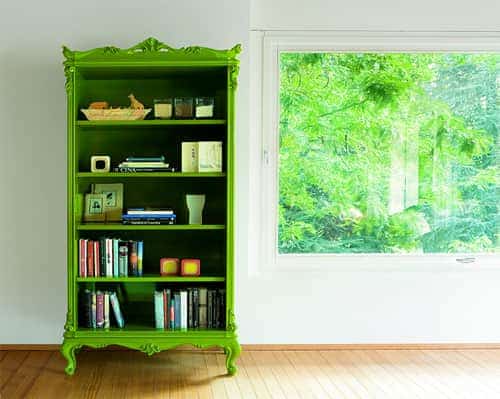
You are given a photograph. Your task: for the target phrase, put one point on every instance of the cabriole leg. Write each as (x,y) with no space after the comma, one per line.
(232,352)
(68,351)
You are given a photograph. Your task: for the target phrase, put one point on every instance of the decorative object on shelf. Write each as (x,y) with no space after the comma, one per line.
(134,104)
(115,114)
(201,156)
(183,107)
(163,108)
(190,267)
(101,111)
(100,163)
(195,204)
(113,203)
(169,266)
(94,208)
(204,107)
(99,105)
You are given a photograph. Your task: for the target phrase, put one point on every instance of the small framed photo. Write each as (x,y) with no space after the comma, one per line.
(94,208)
(113,200)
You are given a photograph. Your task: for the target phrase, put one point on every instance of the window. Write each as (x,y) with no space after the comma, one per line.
(390,151)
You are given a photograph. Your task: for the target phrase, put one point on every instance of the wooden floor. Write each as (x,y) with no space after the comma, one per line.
(425,374)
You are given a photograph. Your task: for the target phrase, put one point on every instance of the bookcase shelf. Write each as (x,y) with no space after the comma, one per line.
(153,279)
(152,123)
(128,227)
(151,70)
(140,330)
(141,175)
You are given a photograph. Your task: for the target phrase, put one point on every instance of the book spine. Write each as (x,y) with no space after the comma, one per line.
(116,309)
(202,309)
(168,297)
(102,263)
(223,309)
(106,310)
(90,258)
(158,301)
(190,308)
(165,310)
(97,259)
(123,261)
(177,310)
(196,307)
(209,309)
(132,258)
(88,308)
(83,258)
(184,310)
(109,257)
(94,310)
(149,222)
(115,257)
(100,309)
(140,254)
(172,312)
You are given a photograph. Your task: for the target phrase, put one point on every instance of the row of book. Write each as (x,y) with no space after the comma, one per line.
(149,216)
(95,310)
(110,257)
(190,308)
(144,164)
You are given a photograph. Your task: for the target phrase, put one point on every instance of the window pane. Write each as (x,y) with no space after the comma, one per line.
(388,153)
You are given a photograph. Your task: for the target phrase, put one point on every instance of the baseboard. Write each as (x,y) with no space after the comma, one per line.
(293,347)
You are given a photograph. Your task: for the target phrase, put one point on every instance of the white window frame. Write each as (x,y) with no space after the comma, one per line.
(264,88)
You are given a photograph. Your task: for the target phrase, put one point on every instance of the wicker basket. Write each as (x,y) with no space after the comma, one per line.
(116,114)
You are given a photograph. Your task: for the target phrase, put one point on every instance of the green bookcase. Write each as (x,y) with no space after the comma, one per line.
(150,70)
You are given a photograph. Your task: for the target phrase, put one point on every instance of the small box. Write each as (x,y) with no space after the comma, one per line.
(100,163)
(190,267)
(204,107)
(169,266)
(184,107)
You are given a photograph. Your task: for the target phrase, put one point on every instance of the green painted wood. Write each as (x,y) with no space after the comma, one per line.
(152,123)
(155,279)
(139,330)
(136,175)
(127,227)
(149,69)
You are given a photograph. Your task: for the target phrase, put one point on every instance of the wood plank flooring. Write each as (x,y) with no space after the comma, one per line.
(343,374)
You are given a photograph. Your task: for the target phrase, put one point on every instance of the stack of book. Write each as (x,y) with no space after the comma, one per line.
(95,309)
(190,308)
(149,216)
(110,257)
(144,164)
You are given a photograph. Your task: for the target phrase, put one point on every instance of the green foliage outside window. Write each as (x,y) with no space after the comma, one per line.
(389,153)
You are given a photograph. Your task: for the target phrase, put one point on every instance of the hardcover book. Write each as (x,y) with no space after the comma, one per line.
(158,303)
(203,309)
(116,309)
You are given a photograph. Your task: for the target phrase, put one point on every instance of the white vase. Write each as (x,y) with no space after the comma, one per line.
(195,204)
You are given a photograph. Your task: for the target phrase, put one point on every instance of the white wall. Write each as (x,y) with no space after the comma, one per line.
(282,308)
(32,131)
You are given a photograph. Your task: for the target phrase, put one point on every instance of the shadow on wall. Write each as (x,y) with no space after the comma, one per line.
(33,191)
